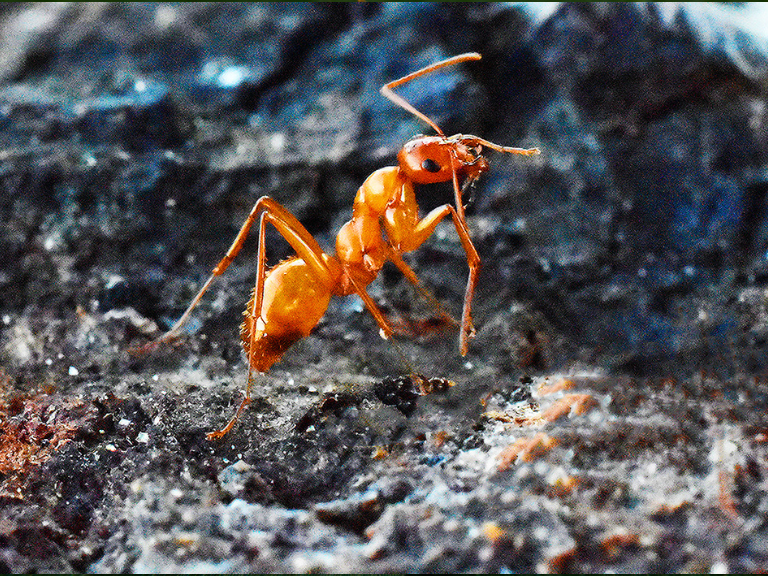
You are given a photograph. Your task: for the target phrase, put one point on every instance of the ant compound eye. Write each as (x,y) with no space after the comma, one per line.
(430,165)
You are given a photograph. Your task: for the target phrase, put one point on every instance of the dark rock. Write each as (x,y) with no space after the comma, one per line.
(610,413)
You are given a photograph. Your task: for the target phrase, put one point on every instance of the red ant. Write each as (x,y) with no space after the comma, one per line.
(291,298)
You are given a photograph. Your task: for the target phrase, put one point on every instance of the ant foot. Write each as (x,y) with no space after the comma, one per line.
(215,435)
(138,351)
(153,344)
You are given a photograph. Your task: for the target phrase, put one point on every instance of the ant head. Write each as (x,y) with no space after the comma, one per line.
(432,159)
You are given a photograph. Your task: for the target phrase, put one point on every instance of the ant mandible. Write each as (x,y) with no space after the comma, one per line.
(290,299)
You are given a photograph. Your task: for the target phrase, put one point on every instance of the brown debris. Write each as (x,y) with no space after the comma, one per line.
(526,450)
(576,404)
(559,386)
(570,404)
(612,546)
(31,430)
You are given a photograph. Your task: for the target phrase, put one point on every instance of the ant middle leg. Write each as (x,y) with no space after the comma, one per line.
(411,276)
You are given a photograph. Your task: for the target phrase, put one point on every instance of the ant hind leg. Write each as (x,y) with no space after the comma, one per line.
(286,302)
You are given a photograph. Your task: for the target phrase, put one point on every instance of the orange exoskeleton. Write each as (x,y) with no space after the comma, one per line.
(289,300)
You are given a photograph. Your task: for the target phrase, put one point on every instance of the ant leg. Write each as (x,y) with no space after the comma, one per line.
(423,229)
(246,400)
(408,272)
(306,248)
(257,300)
(385,329)
(288,225)
(473,261)
(173,332)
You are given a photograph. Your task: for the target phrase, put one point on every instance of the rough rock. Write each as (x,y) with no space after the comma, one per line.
(610,414)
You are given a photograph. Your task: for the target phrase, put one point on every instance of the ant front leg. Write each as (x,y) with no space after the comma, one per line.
(473,261)
(406,240)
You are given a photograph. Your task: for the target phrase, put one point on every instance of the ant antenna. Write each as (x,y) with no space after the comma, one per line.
(475,141)
(386,90)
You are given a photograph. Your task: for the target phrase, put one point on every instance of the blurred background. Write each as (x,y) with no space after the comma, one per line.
(136,137)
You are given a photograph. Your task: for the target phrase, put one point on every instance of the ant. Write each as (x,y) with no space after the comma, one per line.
(289,299)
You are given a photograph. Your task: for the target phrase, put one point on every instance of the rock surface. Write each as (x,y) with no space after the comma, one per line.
(610,414)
